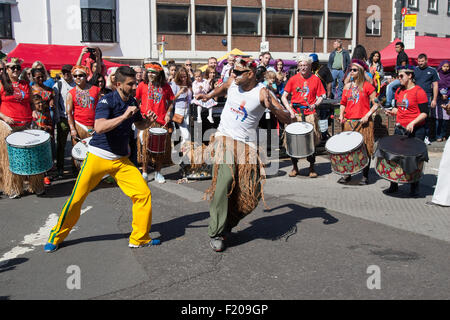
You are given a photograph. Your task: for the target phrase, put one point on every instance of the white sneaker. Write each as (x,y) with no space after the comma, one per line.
(145,176)
(210,118)
(14,196)
(159,178)
(427,141)
(199,120)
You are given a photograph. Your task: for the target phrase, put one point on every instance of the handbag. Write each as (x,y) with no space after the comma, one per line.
(178,118)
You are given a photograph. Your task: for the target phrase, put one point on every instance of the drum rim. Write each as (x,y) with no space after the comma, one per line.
(157,133)
(355,148)
(29,146)
(300,134)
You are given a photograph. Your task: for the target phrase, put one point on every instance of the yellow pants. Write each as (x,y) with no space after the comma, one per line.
(129,180)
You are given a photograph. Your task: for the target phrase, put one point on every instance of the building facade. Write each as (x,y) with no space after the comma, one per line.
(131,31)
(433,17)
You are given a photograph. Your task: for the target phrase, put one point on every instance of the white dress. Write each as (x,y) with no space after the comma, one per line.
(441,194)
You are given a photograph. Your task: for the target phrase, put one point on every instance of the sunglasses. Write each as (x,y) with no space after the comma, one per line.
(238,72)
(354,70)
(401,76)
(189,65)
(15,68)
(39,77)
(79,76)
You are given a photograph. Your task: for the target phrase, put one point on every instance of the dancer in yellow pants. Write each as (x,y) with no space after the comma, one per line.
(128,178)
(108,154)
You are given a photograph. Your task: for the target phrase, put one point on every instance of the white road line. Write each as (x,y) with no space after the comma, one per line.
(33,240)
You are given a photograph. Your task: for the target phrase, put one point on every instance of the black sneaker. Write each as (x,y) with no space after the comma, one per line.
(392,189)
(345,180)
(364,181)
(217,244)
(414,191)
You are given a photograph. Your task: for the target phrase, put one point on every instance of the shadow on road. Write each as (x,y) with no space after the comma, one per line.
(104,237)
(281,226)
(176,228)
(11,264)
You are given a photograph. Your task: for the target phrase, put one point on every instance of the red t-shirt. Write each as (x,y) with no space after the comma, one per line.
(17,106)
(407,102)
(84,104)
(156,99)
(305,91)
(356,101)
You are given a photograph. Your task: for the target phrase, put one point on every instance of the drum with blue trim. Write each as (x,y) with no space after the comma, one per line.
(29,152)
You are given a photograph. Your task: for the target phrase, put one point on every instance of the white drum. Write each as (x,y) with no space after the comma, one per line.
(300,139)
(348,153)
(80,150)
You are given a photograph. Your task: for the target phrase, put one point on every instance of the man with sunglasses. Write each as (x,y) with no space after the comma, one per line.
(246,103)
(188,66)
(61,90)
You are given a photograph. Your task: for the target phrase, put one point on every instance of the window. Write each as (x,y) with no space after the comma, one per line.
(413,4)
(173,19)
(246,21)
(98,25)
(448,8)
(5,21)
(433,6)
(210,20)
(310,24)
(373,27)
(339,25)
(278,22)
(430,34)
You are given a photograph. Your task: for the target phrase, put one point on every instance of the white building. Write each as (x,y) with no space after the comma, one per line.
(121,30)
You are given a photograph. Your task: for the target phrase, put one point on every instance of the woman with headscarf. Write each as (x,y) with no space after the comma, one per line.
(356,111)
(155,94)
(16,114)
(442,117)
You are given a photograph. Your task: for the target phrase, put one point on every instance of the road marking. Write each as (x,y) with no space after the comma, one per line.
(179,190)
(33,240)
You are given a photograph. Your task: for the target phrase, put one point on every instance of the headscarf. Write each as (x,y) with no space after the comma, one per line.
(152,67)
(83,69)
(361,63)
(12,61)
(444,81)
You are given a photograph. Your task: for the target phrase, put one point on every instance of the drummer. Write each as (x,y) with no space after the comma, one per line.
(307,94)
(155,94)
(16,114)
(108,154)
(411,110)
(356,113)
(81,103)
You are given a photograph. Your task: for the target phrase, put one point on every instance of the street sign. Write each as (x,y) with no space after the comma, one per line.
(410,20)
(409,38)
(264,46)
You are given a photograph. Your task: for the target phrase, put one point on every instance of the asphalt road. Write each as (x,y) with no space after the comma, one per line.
(317,240)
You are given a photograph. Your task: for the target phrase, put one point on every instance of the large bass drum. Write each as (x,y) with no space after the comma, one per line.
(29,152)
(348,153)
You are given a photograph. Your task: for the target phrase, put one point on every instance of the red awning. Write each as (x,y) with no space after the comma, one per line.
(51,55)
(436,49)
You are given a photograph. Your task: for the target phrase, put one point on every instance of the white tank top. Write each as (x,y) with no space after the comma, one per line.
(241,114)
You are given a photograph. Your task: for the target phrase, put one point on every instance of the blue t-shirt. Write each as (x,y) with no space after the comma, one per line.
(116,141)
(425,78)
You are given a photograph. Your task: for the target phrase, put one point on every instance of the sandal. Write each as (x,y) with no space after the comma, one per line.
(293,173)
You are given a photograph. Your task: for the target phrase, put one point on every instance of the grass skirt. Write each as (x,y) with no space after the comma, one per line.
(367,131)
(145,157)
(11,183)
(248,179)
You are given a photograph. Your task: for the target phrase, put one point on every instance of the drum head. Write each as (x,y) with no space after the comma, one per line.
(344,142)
(299,128)
(158,131)
(79,151)
(27,138)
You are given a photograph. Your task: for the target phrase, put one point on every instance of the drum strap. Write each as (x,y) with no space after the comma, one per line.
(299,109)
(351,121)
